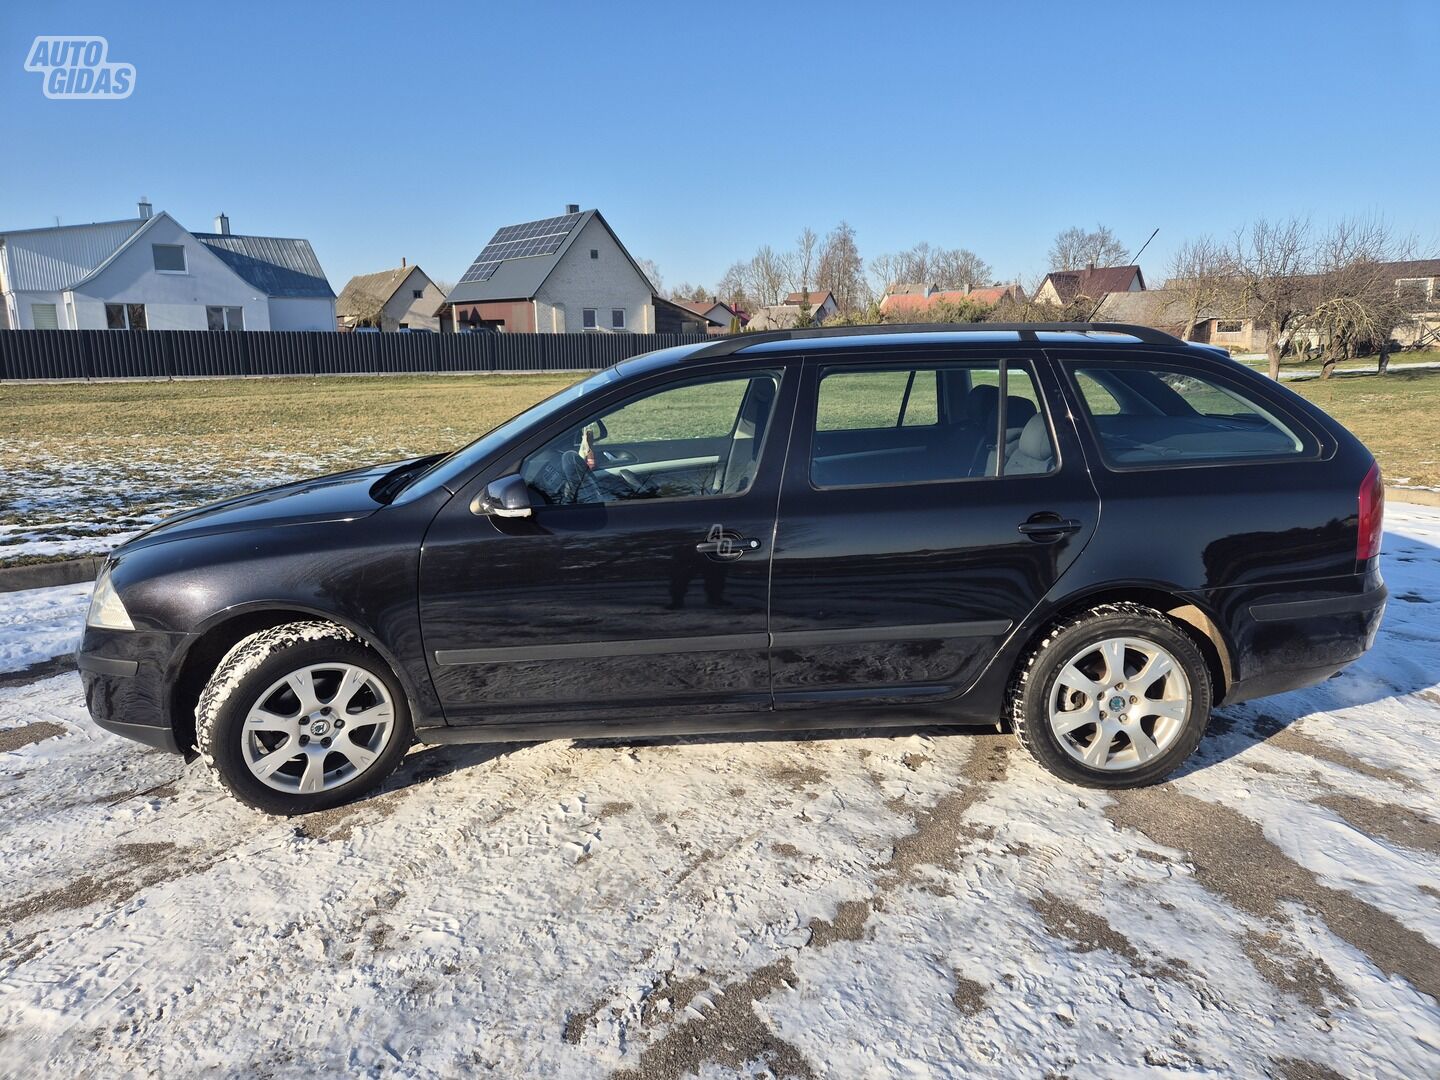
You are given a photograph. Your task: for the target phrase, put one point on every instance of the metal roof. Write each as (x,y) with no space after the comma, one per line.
(520,277)
(275,265)
(516,278)
(54,259)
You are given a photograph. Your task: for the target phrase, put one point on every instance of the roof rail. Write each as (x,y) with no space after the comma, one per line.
(731,345)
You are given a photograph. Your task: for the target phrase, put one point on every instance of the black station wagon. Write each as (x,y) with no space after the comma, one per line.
(1093,533)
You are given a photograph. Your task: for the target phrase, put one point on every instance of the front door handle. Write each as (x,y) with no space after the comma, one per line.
(1048,526)
(721,545)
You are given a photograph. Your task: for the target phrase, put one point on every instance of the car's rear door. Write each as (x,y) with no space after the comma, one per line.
(930,501)
(638,587)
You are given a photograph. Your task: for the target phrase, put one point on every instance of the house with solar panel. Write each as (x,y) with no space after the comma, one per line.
(566,274)
(151,273)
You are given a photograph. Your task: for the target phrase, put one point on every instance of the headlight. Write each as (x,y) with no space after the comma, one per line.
(106,610)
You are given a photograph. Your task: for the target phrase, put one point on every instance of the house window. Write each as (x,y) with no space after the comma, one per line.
(225,318)
(43,317)
(588,318)
(595,253)
(617,318)
(1228,326)
(125,316)
(169,258)
(1413,290)
(417,294)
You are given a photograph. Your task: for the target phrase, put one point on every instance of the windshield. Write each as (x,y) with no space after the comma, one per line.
(449,471)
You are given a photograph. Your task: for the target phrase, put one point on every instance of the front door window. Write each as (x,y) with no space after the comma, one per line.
(691,441)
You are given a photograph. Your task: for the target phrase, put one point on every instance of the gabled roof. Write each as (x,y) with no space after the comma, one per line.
(989,296)
(1414,268)
(518,258)
(706,307)
(911,288)
(1093,282)
(365,294)
(277,266)
(682,308)
(56,258)
(817,298)
(777,317)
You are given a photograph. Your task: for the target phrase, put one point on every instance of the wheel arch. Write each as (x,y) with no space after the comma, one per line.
(219,634)
(1197,622)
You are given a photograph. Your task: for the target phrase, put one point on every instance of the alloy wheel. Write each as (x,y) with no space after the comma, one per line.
(317,728)
(1119,703)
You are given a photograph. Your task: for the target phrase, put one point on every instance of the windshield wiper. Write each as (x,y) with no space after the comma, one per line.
(392,483)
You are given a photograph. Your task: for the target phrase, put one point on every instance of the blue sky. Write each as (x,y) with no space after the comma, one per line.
(389,130)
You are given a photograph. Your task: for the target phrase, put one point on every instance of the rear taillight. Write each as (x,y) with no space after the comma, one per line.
(1372,514)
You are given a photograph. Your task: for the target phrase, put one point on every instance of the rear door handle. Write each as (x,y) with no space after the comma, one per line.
(1048,526)
(726,547)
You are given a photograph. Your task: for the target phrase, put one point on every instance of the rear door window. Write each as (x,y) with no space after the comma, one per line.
(922,425)
(1152,415)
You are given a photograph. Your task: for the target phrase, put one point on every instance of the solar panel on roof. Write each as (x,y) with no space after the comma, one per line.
(524,241)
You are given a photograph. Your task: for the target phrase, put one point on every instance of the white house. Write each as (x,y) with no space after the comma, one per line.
(400,299)
(822,304)
(151,273)
(558,275)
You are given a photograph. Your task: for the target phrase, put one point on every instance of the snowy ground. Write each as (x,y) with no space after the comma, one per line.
(87,503)
(911,905)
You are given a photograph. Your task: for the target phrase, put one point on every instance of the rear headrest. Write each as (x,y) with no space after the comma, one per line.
(982,402)
(1035,439)
(1018,411)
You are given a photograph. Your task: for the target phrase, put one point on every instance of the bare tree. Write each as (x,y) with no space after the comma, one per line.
(960,269)
(1356,303)
(1274,264)
(1202,278)
(687,291)
(800,263)
(652,271)
(884,272)
(1076,248)
(840,269)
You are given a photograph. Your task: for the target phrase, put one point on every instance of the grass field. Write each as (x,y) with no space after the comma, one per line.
(82,464)
(1396,415)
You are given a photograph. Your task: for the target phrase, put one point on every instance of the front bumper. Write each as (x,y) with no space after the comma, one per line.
(126,675)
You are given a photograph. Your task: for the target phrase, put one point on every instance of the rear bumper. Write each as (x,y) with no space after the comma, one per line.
(1288,644)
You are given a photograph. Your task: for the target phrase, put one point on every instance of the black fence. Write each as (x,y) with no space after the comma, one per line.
(172,354)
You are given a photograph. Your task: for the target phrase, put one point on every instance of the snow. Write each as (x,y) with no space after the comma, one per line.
(917,905)
(38,624)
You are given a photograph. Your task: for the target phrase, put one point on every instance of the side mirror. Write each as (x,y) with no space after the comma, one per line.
(508,497)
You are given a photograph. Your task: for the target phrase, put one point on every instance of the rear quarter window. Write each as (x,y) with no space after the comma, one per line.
(1154,416)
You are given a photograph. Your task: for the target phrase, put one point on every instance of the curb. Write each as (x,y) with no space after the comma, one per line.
(48,574)
(1418,496)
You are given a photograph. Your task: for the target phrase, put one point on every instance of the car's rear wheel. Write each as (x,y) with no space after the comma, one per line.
(1116,697)
(302,717)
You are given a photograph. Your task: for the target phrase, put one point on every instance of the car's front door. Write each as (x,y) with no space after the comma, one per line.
(638,586)
(929,504)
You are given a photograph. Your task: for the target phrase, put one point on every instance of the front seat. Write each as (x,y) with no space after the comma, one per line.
(1034,452)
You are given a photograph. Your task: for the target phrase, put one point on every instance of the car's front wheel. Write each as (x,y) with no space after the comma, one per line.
(1116,697)
(302,717)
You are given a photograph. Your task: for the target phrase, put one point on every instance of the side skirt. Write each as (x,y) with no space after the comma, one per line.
(785,720)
